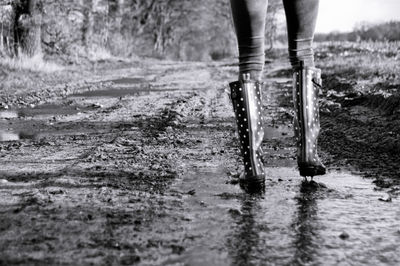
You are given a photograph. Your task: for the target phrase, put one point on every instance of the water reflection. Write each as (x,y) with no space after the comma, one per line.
(289,236)
(305,224)
(128,80)
(277,132)
(44,110)
(8,136)
(112,92)
(20,135)
(8,114)
(245,241)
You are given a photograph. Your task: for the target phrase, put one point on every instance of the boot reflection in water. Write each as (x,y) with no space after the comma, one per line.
(249,18)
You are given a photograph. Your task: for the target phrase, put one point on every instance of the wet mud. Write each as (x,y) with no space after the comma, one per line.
(143,171)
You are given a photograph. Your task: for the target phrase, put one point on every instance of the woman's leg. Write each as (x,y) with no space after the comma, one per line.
(249,20)
(301,17)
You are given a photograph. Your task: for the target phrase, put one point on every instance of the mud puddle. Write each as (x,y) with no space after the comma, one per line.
(44,110)
(27,123)
(276,132)
(14,127)
(112,93)
(8,136)
(127,80)
(14,136)
(340,219)
(121,92)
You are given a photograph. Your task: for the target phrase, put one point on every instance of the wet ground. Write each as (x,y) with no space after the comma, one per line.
(143,170)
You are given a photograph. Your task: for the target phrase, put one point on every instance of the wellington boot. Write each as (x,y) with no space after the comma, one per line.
(246,100)
(306,85)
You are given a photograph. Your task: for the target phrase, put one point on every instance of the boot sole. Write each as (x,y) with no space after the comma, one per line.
(253,185)
(311,171)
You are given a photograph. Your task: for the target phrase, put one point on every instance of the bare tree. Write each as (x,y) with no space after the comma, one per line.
(271,30)
(115,14)
(163,27)
(27,27)
(6,27)
(87,7)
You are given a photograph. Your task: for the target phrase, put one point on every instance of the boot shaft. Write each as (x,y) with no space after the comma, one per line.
(246,100)
(306,86)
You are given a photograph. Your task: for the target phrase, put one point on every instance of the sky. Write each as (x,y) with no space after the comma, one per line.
(343,15)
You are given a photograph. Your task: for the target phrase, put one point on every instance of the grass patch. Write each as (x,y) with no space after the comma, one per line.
(34,64)
(372,61)
(99,54)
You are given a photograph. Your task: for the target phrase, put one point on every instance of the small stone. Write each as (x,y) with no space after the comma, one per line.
(234,212)
(56,192)
(191,192)
(129,259)
(97,105)
(234,181)
(386,198)
(344,236)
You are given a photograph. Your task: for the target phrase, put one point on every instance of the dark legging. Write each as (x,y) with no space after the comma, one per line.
(249,18)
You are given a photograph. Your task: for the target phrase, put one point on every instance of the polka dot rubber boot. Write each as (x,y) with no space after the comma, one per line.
(246,100)
(306,85)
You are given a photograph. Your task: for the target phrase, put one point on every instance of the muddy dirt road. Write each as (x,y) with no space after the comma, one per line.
(142,170)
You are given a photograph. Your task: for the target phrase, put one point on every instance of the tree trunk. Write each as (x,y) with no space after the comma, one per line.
(88,22)
(27,27)
(119,15)
(274,7)
(115,15)
(2,41)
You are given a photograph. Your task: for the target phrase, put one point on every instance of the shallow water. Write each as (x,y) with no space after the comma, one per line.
(277,132)
(128,80)
(112,92)
(43,110)
(339,222)
(14,122)
(8,136)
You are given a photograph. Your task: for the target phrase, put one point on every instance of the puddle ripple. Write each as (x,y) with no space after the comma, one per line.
(340,223)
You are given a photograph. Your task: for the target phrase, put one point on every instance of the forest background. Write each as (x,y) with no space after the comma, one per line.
(74,30)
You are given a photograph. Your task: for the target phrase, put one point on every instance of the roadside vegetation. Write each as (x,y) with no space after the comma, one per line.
(361,106)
